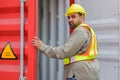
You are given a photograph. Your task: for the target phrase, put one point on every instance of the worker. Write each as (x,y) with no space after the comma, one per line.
(80,50)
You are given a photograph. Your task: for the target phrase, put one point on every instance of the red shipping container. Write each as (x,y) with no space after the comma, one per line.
(10,39)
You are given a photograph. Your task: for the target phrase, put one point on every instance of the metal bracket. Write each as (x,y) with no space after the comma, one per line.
(22,0)
(23,78)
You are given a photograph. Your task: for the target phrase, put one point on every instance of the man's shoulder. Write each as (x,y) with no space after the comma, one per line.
(81,29)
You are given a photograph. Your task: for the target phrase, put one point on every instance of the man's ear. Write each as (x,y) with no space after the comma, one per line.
(82,16)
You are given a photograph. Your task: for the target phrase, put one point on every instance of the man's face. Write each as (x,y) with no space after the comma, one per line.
(74,19)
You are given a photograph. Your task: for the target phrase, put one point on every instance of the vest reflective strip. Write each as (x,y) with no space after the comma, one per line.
(89,54)
(92,51)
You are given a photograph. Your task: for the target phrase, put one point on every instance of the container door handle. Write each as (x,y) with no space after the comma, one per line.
(22,40)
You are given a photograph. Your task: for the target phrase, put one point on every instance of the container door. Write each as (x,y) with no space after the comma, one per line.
(11,67)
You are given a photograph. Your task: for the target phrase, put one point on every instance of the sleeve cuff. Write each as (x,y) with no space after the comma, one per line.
(42,47)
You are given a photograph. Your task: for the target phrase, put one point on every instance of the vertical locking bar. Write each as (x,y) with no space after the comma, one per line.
(22,40)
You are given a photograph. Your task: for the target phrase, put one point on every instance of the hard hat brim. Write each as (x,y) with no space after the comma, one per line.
(67,14)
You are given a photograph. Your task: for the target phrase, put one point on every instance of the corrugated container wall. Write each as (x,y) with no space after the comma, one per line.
(52,32)
(104,17)
(18,24)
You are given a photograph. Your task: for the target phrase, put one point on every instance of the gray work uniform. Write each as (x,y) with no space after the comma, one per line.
(78,42)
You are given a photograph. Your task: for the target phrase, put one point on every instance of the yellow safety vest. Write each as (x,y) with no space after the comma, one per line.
(90,53)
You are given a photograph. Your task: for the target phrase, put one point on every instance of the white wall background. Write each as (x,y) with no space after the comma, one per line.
(104,18)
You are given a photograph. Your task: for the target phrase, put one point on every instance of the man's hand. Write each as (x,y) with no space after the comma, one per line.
(36,42)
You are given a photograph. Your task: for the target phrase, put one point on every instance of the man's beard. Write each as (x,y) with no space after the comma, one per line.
(71,24)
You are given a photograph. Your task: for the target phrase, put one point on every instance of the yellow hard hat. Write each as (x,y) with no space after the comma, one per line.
(75,8)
